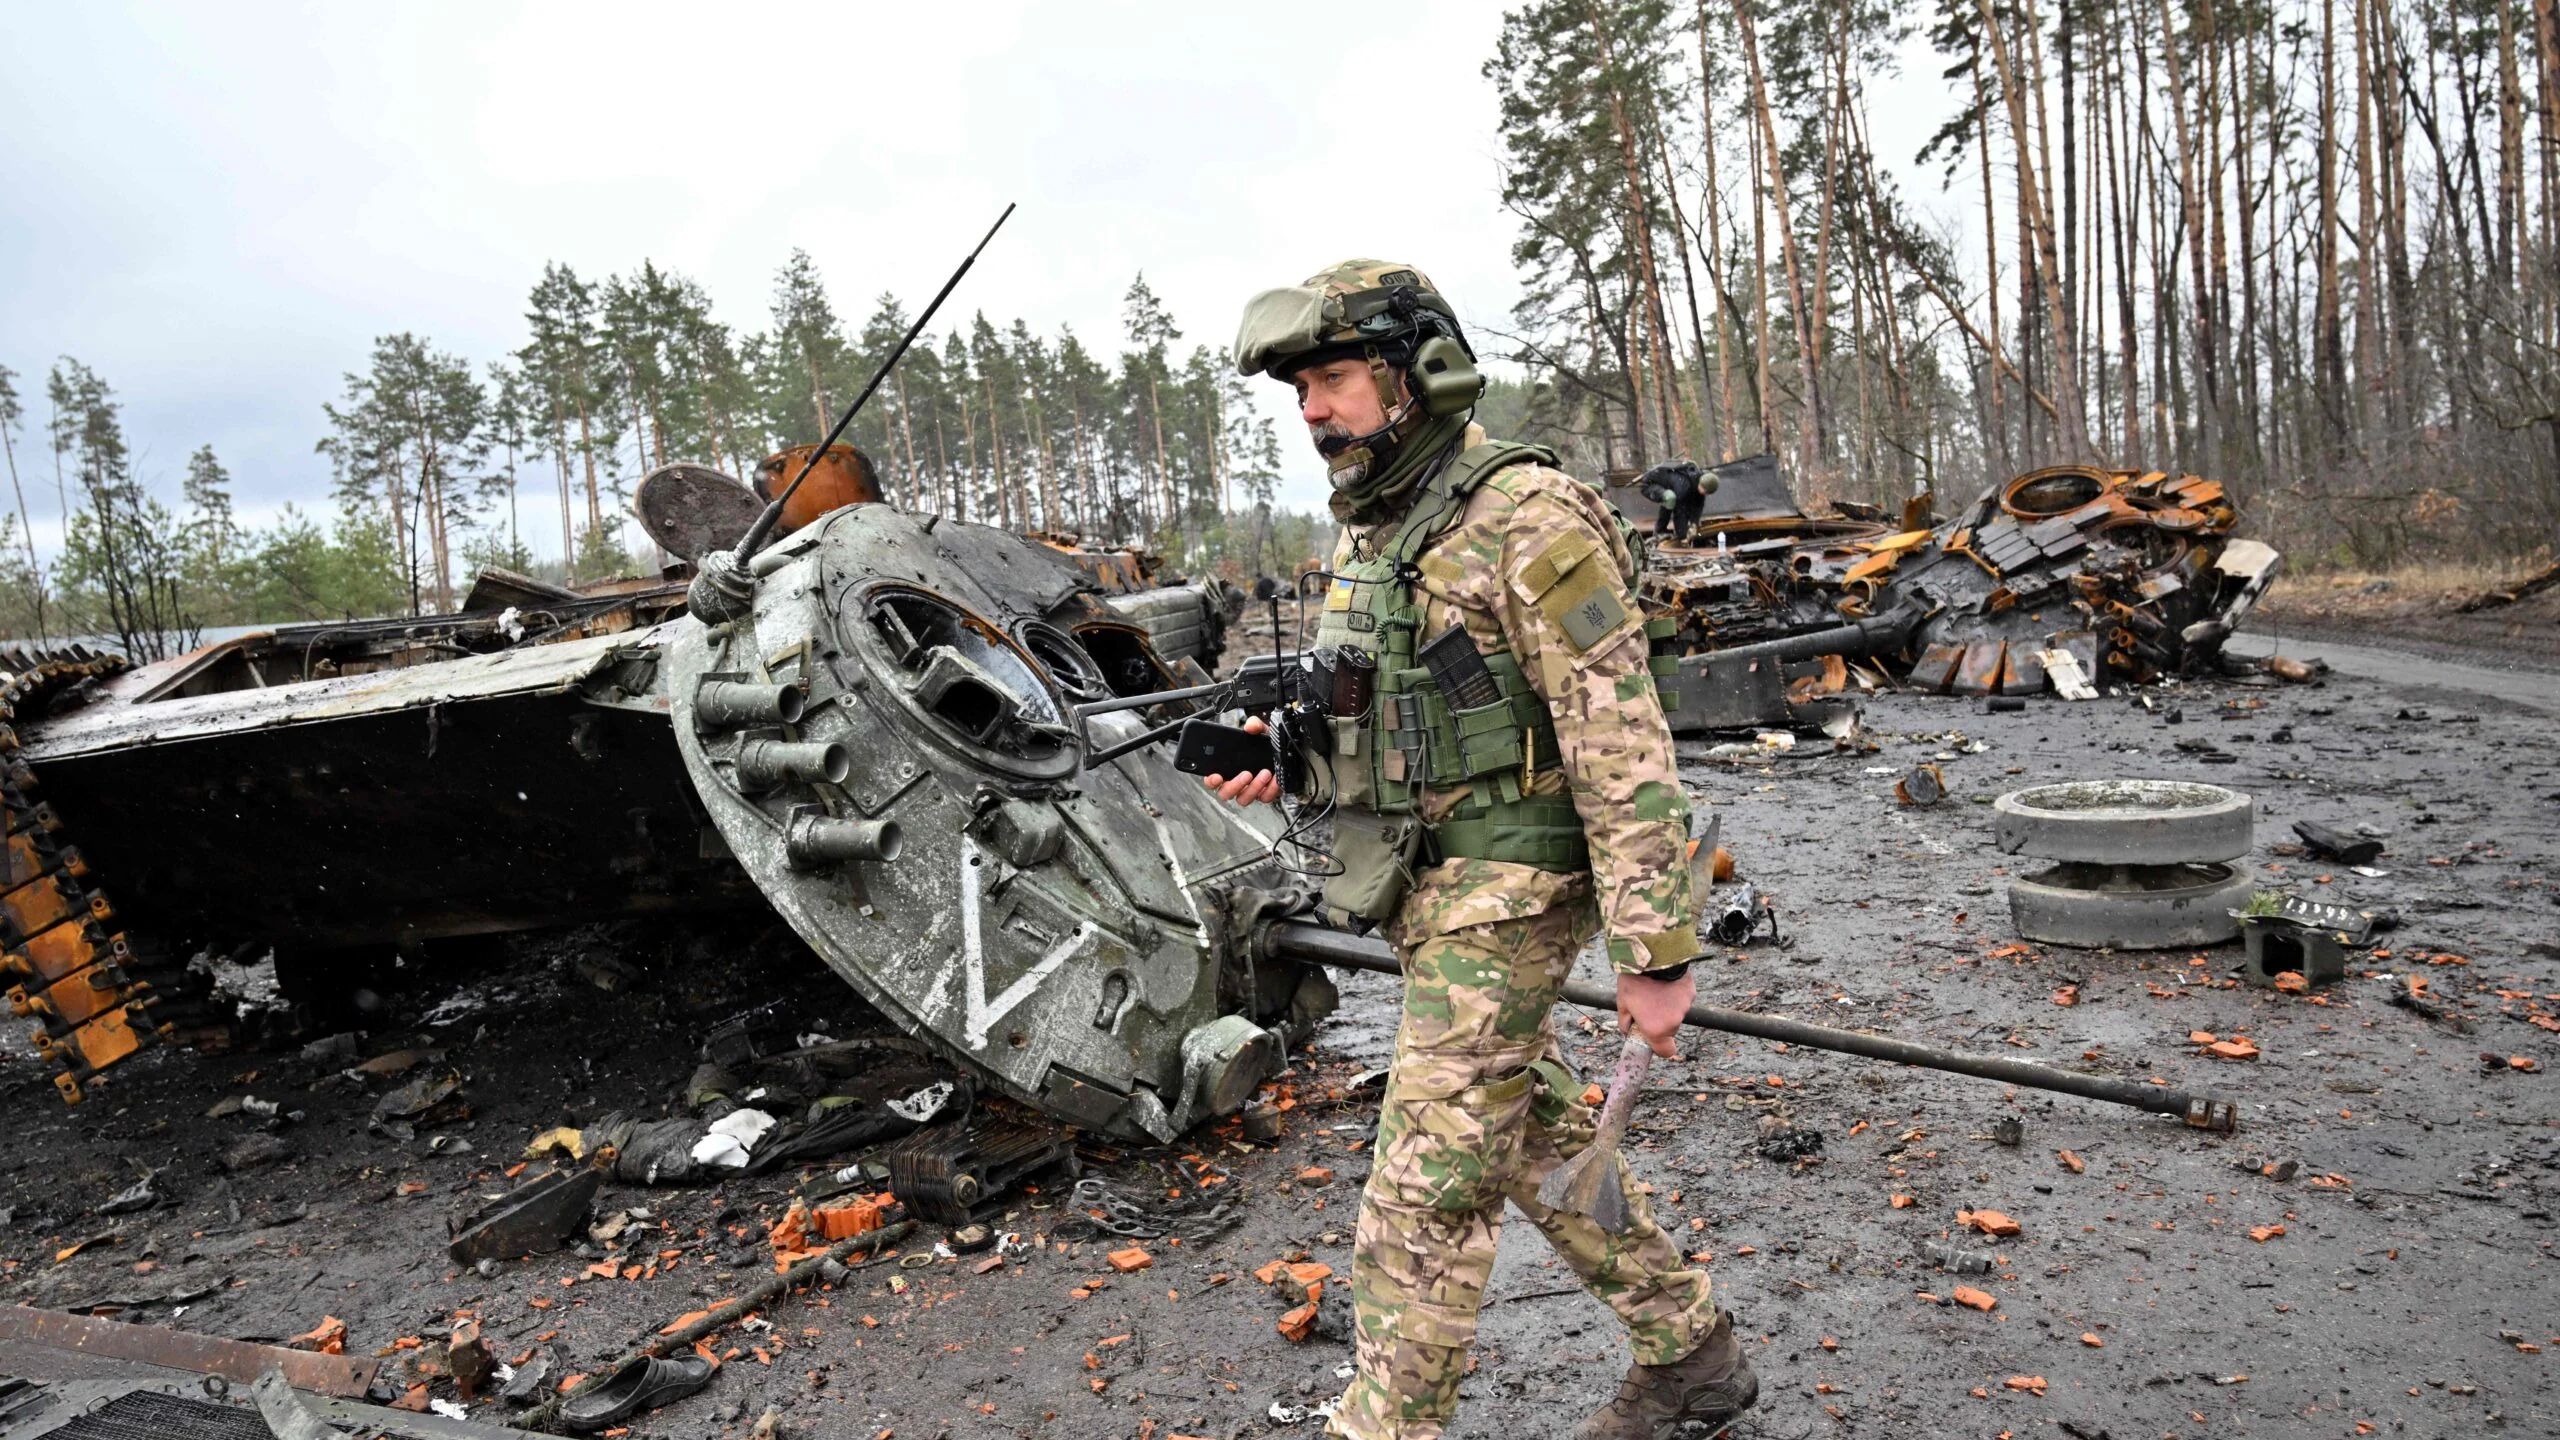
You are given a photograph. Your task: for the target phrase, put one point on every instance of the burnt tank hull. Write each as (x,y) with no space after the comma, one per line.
(1058,932)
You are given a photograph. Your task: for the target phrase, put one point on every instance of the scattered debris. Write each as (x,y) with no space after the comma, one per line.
(643,1383)
(1784,1142)
(731,1139)
(543,1214)
(468,1361)
(2121,573)
(1926,784)
(1740,915)
(249,1152)
(1953,1258)
(141,1195)
(2332,844)
(1989,1222)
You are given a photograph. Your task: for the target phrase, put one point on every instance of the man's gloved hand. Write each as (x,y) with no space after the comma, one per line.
(1258,787)
(1655,1009)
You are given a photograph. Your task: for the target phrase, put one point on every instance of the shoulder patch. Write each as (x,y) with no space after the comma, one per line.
(1584,605)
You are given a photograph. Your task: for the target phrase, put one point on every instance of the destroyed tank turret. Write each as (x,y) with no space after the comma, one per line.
(881,751)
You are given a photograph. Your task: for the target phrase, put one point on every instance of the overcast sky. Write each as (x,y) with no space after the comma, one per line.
(218,206)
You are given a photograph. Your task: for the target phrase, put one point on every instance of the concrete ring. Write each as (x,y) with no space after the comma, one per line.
(2146,907)
(2124,822)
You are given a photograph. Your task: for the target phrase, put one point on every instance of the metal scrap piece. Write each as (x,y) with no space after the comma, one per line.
(541,1215)
(236,1360)
(284,1411)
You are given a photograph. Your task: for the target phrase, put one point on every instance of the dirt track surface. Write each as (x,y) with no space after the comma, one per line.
(2408,1291)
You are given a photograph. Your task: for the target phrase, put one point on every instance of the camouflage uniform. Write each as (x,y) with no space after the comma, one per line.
(1472,1117)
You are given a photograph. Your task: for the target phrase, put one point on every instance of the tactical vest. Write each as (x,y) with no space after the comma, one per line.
(1412,739)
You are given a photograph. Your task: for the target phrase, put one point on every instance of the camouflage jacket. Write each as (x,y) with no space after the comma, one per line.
(1488,571)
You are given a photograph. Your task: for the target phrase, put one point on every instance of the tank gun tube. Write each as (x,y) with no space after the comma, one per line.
(816,840)
(1297,940)
(735,704)
(772,764)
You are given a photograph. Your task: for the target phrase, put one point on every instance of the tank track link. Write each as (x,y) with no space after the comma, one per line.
(97,995)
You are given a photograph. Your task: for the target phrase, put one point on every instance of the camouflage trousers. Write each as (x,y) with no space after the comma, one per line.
(1471,1120)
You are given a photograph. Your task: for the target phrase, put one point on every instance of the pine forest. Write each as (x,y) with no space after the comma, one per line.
(2310,248)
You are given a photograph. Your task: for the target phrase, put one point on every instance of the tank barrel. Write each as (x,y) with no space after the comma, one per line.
(733,704)
(814,841)
(772,764)
(1300,941)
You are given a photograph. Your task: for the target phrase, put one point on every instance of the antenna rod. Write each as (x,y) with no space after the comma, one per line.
(763,528)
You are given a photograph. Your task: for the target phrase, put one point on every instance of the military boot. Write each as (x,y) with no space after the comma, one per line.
(1707,1387)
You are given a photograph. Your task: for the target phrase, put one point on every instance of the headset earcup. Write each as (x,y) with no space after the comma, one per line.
(1444,377)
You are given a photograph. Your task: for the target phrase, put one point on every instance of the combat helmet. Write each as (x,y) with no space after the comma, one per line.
(1392,316)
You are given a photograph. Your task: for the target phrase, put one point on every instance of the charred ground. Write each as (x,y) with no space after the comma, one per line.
(2403,1292)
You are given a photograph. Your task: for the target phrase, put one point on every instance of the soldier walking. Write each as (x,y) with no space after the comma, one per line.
(1507,793)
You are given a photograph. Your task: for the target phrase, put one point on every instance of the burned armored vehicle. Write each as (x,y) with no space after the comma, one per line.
(2056,581)
(923,744)
(882,751)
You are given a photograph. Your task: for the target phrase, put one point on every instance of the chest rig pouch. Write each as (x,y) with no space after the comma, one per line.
(1416,736)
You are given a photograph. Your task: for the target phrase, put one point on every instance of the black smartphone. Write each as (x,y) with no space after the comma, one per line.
(1209,748)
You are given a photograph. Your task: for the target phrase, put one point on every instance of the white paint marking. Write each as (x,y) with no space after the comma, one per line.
(982,1013)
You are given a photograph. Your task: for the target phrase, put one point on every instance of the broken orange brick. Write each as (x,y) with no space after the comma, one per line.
(2201,1037)
(1830,1342)
(1989,1222)
(792,1231)
(2031,1383)
(1131,1260)
(2525,1063)
(1593,1094)
(2238,1047)
(2090,1339)
(1903,1202)
(1315,1175)
(848,1218)
(2264,1233)
(2067,995)
(2293,982)
(1973,1299)
(1308,1272)
(329,1337)
(2072,1162)
(1298,1324)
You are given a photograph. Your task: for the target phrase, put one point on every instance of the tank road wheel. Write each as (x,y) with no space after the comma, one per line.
(2130,907)
(2124,822)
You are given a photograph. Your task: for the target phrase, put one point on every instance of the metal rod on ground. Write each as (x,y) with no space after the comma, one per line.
(755,1299)
(1300,941)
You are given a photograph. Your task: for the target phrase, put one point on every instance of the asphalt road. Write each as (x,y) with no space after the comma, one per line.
(2524,686)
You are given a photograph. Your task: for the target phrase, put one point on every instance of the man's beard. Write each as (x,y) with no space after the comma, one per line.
(1330,438)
